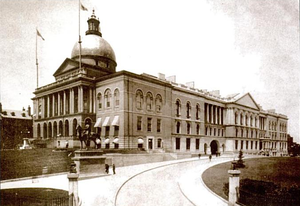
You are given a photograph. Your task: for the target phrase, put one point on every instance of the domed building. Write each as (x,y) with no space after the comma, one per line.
(131,111)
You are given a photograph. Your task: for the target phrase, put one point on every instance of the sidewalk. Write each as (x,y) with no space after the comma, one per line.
(103,190)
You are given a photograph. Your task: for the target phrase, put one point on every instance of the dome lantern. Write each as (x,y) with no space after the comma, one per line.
(93,25)
(94,49)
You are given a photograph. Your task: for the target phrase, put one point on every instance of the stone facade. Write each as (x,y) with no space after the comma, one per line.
(154,113)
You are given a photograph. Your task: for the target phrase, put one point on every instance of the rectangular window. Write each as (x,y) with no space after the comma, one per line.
(139,123)
(107,131)
(149,124)
(158,125)
(256,145)
(246,144)
(236,144)
(107,146)
(116,146)
(198,129)
(178,143)
(188,128)
(242,144)
(197,144)
(188,143)
(116,132)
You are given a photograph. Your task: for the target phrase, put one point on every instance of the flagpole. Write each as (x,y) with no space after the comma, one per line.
(36,61)
(79,41)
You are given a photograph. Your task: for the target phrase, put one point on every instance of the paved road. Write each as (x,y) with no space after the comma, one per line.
(163,183)
(156,187)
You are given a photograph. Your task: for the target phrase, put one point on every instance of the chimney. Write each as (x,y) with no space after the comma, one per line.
(190,84)
(171,79)
(29,110)
(161,76)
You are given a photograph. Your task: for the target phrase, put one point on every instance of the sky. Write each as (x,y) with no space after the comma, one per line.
(228,45)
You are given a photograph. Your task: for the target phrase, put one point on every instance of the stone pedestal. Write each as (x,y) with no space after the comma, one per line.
(234,184)
(90,162)
(73,189)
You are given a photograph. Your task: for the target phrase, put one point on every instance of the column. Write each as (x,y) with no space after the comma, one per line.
(80,100)
(58,104)
(220,115)
(48,106)
(64,103)
(43,107)
(90,100)
(94,102)
(71,99)
(53,105)
(207,112)
(212,114)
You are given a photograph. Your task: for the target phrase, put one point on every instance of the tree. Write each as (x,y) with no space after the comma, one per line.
(240,162)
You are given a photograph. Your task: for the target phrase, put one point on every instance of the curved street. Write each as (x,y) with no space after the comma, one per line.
(176,182)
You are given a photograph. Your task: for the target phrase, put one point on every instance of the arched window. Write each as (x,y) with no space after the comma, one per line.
(149,101)
(54,129)
(251,121)
(107,98)
(74,127)
(99,99)
(197,111)
(117,97)
(45,131)
(246,121)
(236,118)
(241,119)
(139,99)
(38,130)
(178,127)
(188,128)
(66,128)
(60,130)
(178,107)
(198,129)
(49,130)
(158,103)
(188,109)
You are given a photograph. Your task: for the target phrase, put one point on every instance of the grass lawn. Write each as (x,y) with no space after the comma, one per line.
(283,171)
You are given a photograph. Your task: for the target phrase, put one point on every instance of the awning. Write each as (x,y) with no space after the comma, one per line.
(106,141)
(140,141)
(115,122)
(106,122)
(116,140)
(98,123)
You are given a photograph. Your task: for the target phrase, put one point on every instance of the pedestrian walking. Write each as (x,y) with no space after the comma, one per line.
(106,168)
(114,169)
(199,155)
(210,157)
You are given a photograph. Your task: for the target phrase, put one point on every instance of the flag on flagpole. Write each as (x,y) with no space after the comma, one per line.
(83,7)
(39,34)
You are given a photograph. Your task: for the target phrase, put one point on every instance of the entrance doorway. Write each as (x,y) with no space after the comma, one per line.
(150,143)
(214,147)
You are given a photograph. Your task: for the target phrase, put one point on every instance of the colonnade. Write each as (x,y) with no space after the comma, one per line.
(69,101)
(214,114)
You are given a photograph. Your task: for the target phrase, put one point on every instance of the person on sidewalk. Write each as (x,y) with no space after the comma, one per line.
(199,155)
(106,168)
(114,169)
(210,157)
